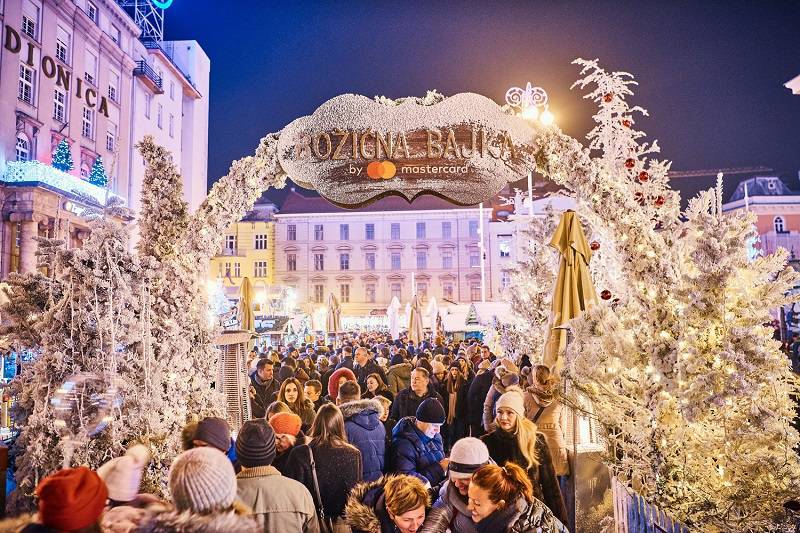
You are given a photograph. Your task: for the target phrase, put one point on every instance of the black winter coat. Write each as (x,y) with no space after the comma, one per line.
(263,396)
(503,447)
(406,402)
(478,390)
(362,373)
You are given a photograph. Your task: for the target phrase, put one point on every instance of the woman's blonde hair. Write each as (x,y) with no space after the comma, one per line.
(405,493)
(526,439)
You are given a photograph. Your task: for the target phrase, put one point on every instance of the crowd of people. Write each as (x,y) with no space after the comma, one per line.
(375,436)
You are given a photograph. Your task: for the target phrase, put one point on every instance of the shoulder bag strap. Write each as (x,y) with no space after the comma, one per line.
(537,415)
(318,498)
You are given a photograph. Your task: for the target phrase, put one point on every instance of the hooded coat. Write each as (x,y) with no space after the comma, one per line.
(398,377)
(416,454)
(506,378)
(449,512)
(551,423)
(365,511)
(365,431)
(523,517)
(190,522)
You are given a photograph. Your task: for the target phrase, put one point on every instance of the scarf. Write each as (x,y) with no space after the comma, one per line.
(498,521)
(543,397)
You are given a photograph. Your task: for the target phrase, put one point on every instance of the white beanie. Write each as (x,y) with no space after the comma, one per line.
(123,475)
(512,400)
(202,480)
(468,455)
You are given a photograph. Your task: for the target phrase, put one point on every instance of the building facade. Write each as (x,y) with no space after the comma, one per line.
(77,71)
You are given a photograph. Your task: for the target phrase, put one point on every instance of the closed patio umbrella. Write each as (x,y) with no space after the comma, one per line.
(415,322)
(393,314)
(333,321)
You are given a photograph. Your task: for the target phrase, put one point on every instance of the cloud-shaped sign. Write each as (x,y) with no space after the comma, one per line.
(354,150)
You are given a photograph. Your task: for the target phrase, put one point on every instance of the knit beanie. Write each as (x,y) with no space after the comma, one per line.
(468,455)
(438,367)
(215,432)
(286,423)
(512,400)
(202,480)
(72,498)
(255,444)
(333,381)
(123,475)
(431,411)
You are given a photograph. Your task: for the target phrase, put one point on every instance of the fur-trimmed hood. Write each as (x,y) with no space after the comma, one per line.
(365,509)
(401,369)
(358,407)
(190,522)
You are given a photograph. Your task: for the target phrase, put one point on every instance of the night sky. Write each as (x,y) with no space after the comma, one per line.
(711,74)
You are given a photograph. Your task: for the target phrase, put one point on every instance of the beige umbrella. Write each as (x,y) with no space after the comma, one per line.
(574,291)
(247,318)
(415,322)
(333,321)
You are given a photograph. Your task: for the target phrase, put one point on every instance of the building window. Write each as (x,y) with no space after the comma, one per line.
(422,260)
(395,260)
(260,241)
(111,137)
(395,231)
(23,148)
(474,259)
(504,245)
(420,230)
(59,106)
(115,35)
(291,262)
(447,259)
(237,270)
(369,232)
(473,229)
(319,262)
(160,116)
(505,279)
(779,225)
(27,79)
(171,125)
(90,67)
(91,10)
(87,125)
(291,232)
(370,261)
(475,291)
(113,86)
(85,170)
(344,232)
(172,90)
(319,291)
(147,101)
(63,40)
(344,261)
(227,270)
(447,230)
(344,293)
(447,290)
(30,19)
(230,242)
(422,291)
(397,291)
(370,293)
(319,233)
(260,269)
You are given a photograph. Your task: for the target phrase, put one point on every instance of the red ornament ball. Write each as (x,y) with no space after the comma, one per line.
(594,245)
(660,201)
(606,294)
(626,123)
(644,176)
(630,162)
(608,97)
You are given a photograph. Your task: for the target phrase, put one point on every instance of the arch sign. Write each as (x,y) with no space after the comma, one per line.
(354,150)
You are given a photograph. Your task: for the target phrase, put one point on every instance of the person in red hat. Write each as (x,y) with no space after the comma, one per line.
(337,378)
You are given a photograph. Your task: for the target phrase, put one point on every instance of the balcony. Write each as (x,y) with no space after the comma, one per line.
(231,252)
(148,76)
(36,174)
(772,241)
(167,49)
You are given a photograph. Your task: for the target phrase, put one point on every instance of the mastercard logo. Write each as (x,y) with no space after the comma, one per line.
(378,170)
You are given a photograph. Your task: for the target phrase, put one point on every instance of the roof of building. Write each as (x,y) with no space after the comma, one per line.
(762,186)
(691,182)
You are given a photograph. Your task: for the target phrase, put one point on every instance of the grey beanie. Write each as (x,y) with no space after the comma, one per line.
(202,480)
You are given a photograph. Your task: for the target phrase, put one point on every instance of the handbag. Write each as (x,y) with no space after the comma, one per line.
(325,522)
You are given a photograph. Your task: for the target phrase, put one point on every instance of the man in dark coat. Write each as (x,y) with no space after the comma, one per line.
(417,448)
(263,386)
(347,358)
(364,428)
(366,365)
(476,396)
(407,400)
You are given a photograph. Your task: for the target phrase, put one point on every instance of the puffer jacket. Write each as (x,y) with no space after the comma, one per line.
(398,377)
(365,431)
(278,503)
(365,511)
(535,517)
(190,522)
(415,454)
(449,512)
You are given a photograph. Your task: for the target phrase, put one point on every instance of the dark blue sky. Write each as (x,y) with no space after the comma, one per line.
(711,73)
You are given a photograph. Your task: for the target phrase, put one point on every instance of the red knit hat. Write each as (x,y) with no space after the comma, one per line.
(286,423)
(72,498)
(333,381)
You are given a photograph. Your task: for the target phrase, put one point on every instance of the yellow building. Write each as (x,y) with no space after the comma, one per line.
(249,252)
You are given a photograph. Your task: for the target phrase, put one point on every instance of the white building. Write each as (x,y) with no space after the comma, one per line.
(77,70)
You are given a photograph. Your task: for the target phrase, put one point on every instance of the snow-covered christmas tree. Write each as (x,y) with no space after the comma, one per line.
(98,174)
(62,157)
